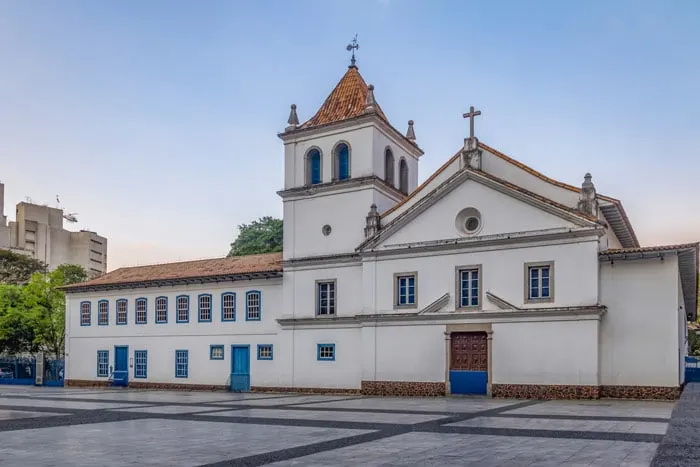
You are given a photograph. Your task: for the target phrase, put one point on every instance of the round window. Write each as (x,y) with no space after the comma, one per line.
(469,221)
(326,230)
(472,224)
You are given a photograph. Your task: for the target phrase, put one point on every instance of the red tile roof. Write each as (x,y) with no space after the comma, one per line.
(235,265)
(650,249)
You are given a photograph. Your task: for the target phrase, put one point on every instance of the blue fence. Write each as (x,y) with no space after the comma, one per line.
(692,369)
(53,372)
(17,370)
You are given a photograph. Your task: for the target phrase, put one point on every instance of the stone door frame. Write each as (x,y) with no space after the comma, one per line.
(454,328)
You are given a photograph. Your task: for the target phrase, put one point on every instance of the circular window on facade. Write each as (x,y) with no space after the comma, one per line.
(468,221)
(326,230)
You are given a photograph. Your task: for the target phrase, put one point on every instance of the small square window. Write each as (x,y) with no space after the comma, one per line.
(405,290)
(325,352)
(216,352)
(264,351)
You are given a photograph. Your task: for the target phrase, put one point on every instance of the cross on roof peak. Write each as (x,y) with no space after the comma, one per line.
(471,115)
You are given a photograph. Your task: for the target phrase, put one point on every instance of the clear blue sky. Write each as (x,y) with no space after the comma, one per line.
(156,121)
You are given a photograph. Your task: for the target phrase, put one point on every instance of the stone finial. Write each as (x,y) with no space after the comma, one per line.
(588,203)
(373,221)
(410,133)
(370,103)
(293,119)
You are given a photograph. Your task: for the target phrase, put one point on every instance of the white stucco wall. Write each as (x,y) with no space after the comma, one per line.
(639,332)
(554,352)
(407,353)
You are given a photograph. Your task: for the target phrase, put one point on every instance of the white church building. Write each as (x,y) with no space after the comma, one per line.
(487,278)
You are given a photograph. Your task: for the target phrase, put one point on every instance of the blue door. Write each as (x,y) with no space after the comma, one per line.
(240,368)
(468,363)
(121,365)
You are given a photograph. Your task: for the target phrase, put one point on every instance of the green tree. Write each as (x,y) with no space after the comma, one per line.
(17,325)
(17,269)
(261,236)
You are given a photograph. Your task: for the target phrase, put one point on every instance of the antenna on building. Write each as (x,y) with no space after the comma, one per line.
(29,200)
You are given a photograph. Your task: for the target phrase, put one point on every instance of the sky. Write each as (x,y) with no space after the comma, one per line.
(157,121)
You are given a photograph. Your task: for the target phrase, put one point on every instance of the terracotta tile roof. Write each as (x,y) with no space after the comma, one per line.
(651,249)
(264,263)
(347,100)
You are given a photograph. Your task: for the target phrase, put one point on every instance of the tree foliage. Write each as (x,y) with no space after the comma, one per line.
(17,269)
(261,236)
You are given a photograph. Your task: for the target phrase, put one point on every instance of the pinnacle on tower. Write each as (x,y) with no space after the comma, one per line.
(410,133)
(370,103)
(293,119)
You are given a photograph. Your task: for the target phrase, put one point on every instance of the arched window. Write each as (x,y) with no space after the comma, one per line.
(313,167)
(342,162)
(389,167)
(403,176)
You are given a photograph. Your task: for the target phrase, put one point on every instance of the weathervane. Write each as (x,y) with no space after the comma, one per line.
(353,46)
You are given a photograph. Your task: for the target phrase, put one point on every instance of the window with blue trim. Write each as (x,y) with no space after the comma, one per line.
(161,309)
(406,290)
(469,287)
(103,363)
(253,305)
(85,313)
(216,352)
(103,313)
(228,306)
(204,307)
(264,351)
(342,155)
(314,166)
(141,307)
(121,311)
(539,286)
(140,364)
(181,363)
(325,352)
(183,309)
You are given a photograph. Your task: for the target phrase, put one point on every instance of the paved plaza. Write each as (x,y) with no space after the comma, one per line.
(72,427)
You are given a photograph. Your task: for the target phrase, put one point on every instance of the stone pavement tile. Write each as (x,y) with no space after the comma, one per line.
(11,402)
(565,425)
(168,409)
(365,417)
(15,414)
(129,395)
(153,442)
(599,408)
(291,399)
(429,404)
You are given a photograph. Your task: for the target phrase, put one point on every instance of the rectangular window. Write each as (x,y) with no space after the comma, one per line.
(141,311)
(183,309)
(140,364)
(325,298)
(85,313)
(228,306)
(121,311)
(253,305)
(103,363)
(264,351)
(103,312)
(161,309)
(205,307)
(216,352)
(468,287)
(405,290)
(181,363)
(325,352)
(539,280)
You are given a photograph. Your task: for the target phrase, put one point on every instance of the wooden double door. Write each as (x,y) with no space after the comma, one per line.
(468,362)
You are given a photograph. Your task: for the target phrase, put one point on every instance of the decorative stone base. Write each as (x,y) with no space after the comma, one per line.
(86,383)
(304,390)
(403,388)
(544,391)
(641,392)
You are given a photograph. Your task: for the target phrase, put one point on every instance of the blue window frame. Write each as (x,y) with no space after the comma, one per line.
(216,352)
(228,306)
(141,311)
(181,363)
(314,161)
(253,305)
(343,161)
(406,290)
(265,352)
(325,352)
(140,364)
(539,285)
(182,311)
(469,287)
(204,305)
(122,311)
(103,313)
(161,310)
(103,363)
(85,313)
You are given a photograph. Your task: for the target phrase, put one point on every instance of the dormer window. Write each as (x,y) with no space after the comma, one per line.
(403,176)
(389,166)
(313,167)
(341,162)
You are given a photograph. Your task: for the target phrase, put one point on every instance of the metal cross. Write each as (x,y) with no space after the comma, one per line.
(353,46)
(470,115)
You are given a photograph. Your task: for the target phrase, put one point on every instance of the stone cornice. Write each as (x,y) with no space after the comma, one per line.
(345,258)
(341,185)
